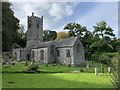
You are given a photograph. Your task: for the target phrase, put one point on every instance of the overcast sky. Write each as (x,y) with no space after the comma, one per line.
(57,14)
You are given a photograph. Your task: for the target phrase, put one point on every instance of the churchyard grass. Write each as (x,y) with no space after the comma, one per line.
(19,68)
(56,80)
(54,77)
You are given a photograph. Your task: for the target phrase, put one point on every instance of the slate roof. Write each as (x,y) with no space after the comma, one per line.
(58,43)
(42,44)
(65,42)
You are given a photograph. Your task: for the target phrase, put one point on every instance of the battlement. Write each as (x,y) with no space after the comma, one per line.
(35,17)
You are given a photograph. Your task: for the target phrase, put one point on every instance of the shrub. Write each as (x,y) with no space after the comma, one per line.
(26,63)
(33,68)
(81,70)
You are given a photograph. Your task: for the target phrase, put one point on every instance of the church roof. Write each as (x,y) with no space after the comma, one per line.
(65,42)
(42,44)
(58,43)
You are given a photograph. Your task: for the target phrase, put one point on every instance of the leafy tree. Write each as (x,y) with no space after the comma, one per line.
(115,42)
(62,35)
(102,37)
(49,35)
(116,71)
(21,36)
(75,29)
(10,25)
(101,29)
(87,41)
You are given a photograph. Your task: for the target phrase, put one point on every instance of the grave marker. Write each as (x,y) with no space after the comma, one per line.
(96,73)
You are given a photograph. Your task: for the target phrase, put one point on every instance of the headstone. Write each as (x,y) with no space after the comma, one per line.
(109,69)
(88,66)
(96,73)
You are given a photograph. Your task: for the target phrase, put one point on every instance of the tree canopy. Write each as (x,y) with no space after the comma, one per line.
(10,26)
(62,35)
(49,35)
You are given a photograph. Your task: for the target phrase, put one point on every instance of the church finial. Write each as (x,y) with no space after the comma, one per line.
(32,14)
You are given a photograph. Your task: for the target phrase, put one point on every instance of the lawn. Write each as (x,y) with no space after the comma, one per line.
(56,80)
(54,77)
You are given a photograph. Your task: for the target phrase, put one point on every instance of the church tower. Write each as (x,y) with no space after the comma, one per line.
(34,30)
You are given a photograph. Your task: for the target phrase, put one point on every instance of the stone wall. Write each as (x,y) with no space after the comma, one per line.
(19,54)
(79,57)
(37,55)
(62,56)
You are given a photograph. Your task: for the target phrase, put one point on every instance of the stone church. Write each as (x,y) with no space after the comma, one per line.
(68,51)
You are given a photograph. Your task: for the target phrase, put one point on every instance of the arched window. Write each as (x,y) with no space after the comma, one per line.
(67,53)
(52,50)
(78,48)
(15,55)
(42,54)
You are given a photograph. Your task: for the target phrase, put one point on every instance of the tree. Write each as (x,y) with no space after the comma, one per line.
(102,37)
(87,41)
(116,71)
(10,25)
(75,29)
(115,42)
(101,29)
(21,36)
(62,35)
(21,31)
(49,35)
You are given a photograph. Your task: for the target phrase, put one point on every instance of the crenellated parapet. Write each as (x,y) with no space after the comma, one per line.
(35,17)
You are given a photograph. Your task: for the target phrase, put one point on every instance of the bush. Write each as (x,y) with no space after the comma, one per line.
(33,68)
(81,70)
(26,63)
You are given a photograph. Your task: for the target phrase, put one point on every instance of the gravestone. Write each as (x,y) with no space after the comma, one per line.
(96,73)
(88,66)
(109,69)
(101,65)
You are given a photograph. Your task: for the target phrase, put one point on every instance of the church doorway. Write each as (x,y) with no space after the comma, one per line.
(28,57)
(15,55)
